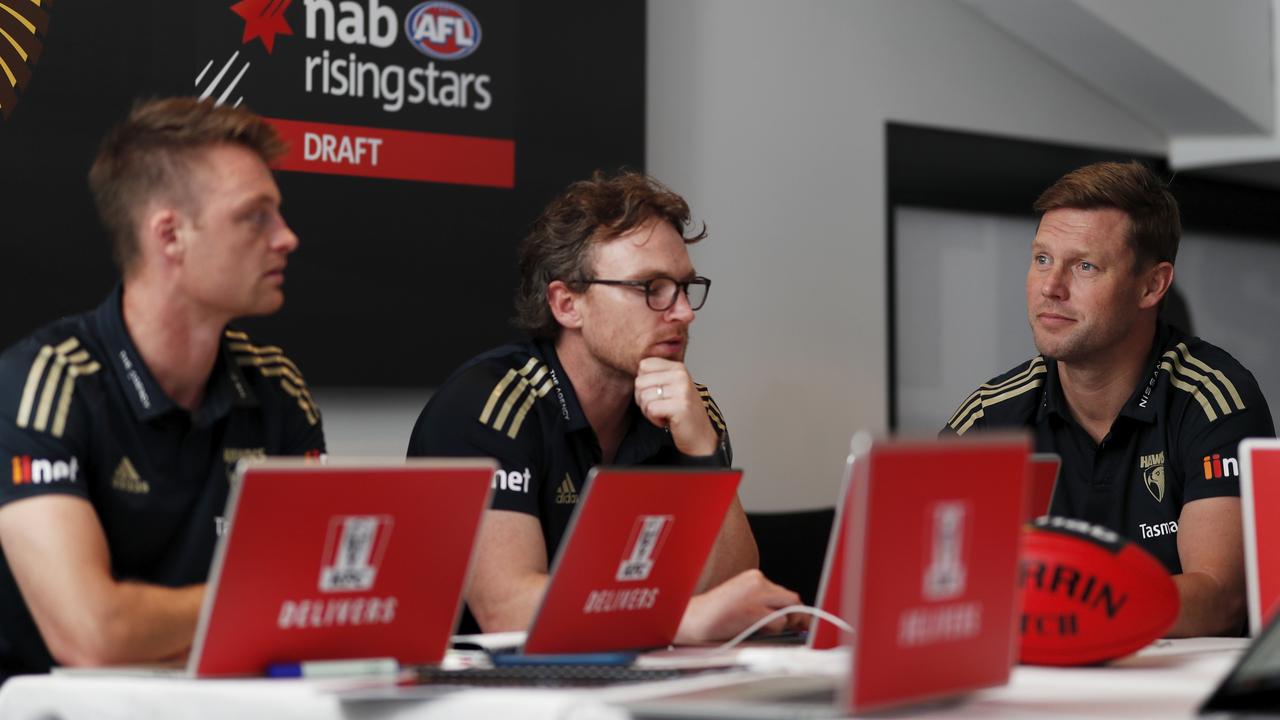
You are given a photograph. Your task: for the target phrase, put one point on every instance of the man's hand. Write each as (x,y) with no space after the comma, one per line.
(730,607)
(668,398)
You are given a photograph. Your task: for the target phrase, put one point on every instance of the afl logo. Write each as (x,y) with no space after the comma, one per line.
(442,30)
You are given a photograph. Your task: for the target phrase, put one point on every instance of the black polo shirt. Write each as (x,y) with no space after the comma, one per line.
(1174,441)
(516,404)
(81,415)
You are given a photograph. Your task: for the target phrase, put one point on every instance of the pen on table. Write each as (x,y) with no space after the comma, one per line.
(334,668)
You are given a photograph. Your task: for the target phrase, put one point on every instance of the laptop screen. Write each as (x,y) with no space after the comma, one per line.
(340,560)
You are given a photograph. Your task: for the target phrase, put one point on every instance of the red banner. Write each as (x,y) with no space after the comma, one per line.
(396,154)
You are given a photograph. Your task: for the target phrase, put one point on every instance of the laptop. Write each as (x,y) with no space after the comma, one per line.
(1259,497)
(1042,476)
(822,634)
(934,598)
(1043,480)
(929,584)
(631,559)
(339,560)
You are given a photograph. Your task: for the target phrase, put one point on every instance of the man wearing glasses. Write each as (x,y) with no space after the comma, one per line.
(608,293)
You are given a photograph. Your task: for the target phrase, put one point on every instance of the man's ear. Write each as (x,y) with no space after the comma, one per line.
(1156,282)
(162,234)
(564,304)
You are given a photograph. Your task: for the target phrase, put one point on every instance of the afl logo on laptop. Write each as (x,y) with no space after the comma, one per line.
(946,615)
(944,575)
(442,30)
(646,540)
(354,547)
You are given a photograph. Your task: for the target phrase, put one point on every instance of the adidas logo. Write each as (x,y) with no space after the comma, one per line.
(127,479)
(566,494)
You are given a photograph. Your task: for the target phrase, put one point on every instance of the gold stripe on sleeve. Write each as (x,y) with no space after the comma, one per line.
(1194,390)
(984,404)
(33,385)
(68,390)
(525,406)
(1174,363)
(1231,388)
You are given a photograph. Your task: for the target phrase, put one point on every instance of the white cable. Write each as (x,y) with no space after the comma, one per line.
(805,609)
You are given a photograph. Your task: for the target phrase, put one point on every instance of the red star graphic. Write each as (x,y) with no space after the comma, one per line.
(263,19)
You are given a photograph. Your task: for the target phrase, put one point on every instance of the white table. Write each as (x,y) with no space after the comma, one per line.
(1167,680)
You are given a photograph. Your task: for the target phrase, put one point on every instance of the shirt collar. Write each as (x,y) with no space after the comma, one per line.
(1150,391)
(226,386)
(570,408)
(1140,406)
(643,438)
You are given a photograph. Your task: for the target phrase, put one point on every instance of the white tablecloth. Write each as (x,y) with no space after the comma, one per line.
(1167,680)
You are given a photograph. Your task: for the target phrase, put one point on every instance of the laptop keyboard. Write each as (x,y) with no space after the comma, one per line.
(550,675)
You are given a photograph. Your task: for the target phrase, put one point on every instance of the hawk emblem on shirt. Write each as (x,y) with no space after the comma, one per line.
(1153,478)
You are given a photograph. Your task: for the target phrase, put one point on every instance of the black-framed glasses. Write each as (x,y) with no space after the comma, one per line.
(660,293)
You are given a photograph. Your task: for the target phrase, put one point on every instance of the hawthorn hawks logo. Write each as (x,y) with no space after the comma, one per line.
(22,25)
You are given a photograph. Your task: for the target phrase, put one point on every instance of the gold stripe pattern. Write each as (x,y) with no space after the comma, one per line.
(1176,362)
(1187,387)
(1222,379)
(272,363)
(987,395)
(55,388)
(713,410)
(501,387)
(518,420)
(521,389)
(989,390)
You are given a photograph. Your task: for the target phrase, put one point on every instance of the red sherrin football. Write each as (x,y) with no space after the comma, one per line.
(1088,594)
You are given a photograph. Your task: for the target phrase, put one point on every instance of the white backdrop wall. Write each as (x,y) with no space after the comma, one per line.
(770,118)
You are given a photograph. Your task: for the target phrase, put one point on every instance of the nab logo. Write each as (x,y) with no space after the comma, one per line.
(646,540)
(352,552)
(38,471)
(944,575)
(1217,467)
(442,30)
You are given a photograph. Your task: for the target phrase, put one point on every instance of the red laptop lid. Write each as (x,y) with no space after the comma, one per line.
(631,559)
(931,568)
(1260,496)
(340,561)
(1043,477)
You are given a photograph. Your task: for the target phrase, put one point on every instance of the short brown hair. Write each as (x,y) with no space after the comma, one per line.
(148,155)
(1131,187)
(589,212)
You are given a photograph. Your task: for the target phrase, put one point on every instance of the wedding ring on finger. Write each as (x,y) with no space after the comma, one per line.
(660,393)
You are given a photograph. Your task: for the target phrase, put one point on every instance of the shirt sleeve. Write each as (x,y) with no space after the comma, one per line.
(1210,456)
(723,456)
(304,428)
(455,424)
(44,428)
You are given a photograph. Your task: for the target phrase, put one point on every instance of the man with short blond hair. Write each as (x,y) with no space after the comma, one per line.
(122,425)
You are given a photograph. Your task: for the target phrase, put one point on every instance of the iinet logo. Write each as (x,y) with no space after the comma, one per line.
(1217,467)
(38,471)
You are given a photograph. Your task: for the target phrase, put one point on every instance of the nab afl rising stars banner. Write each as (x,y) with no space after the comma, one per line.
(425,136)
